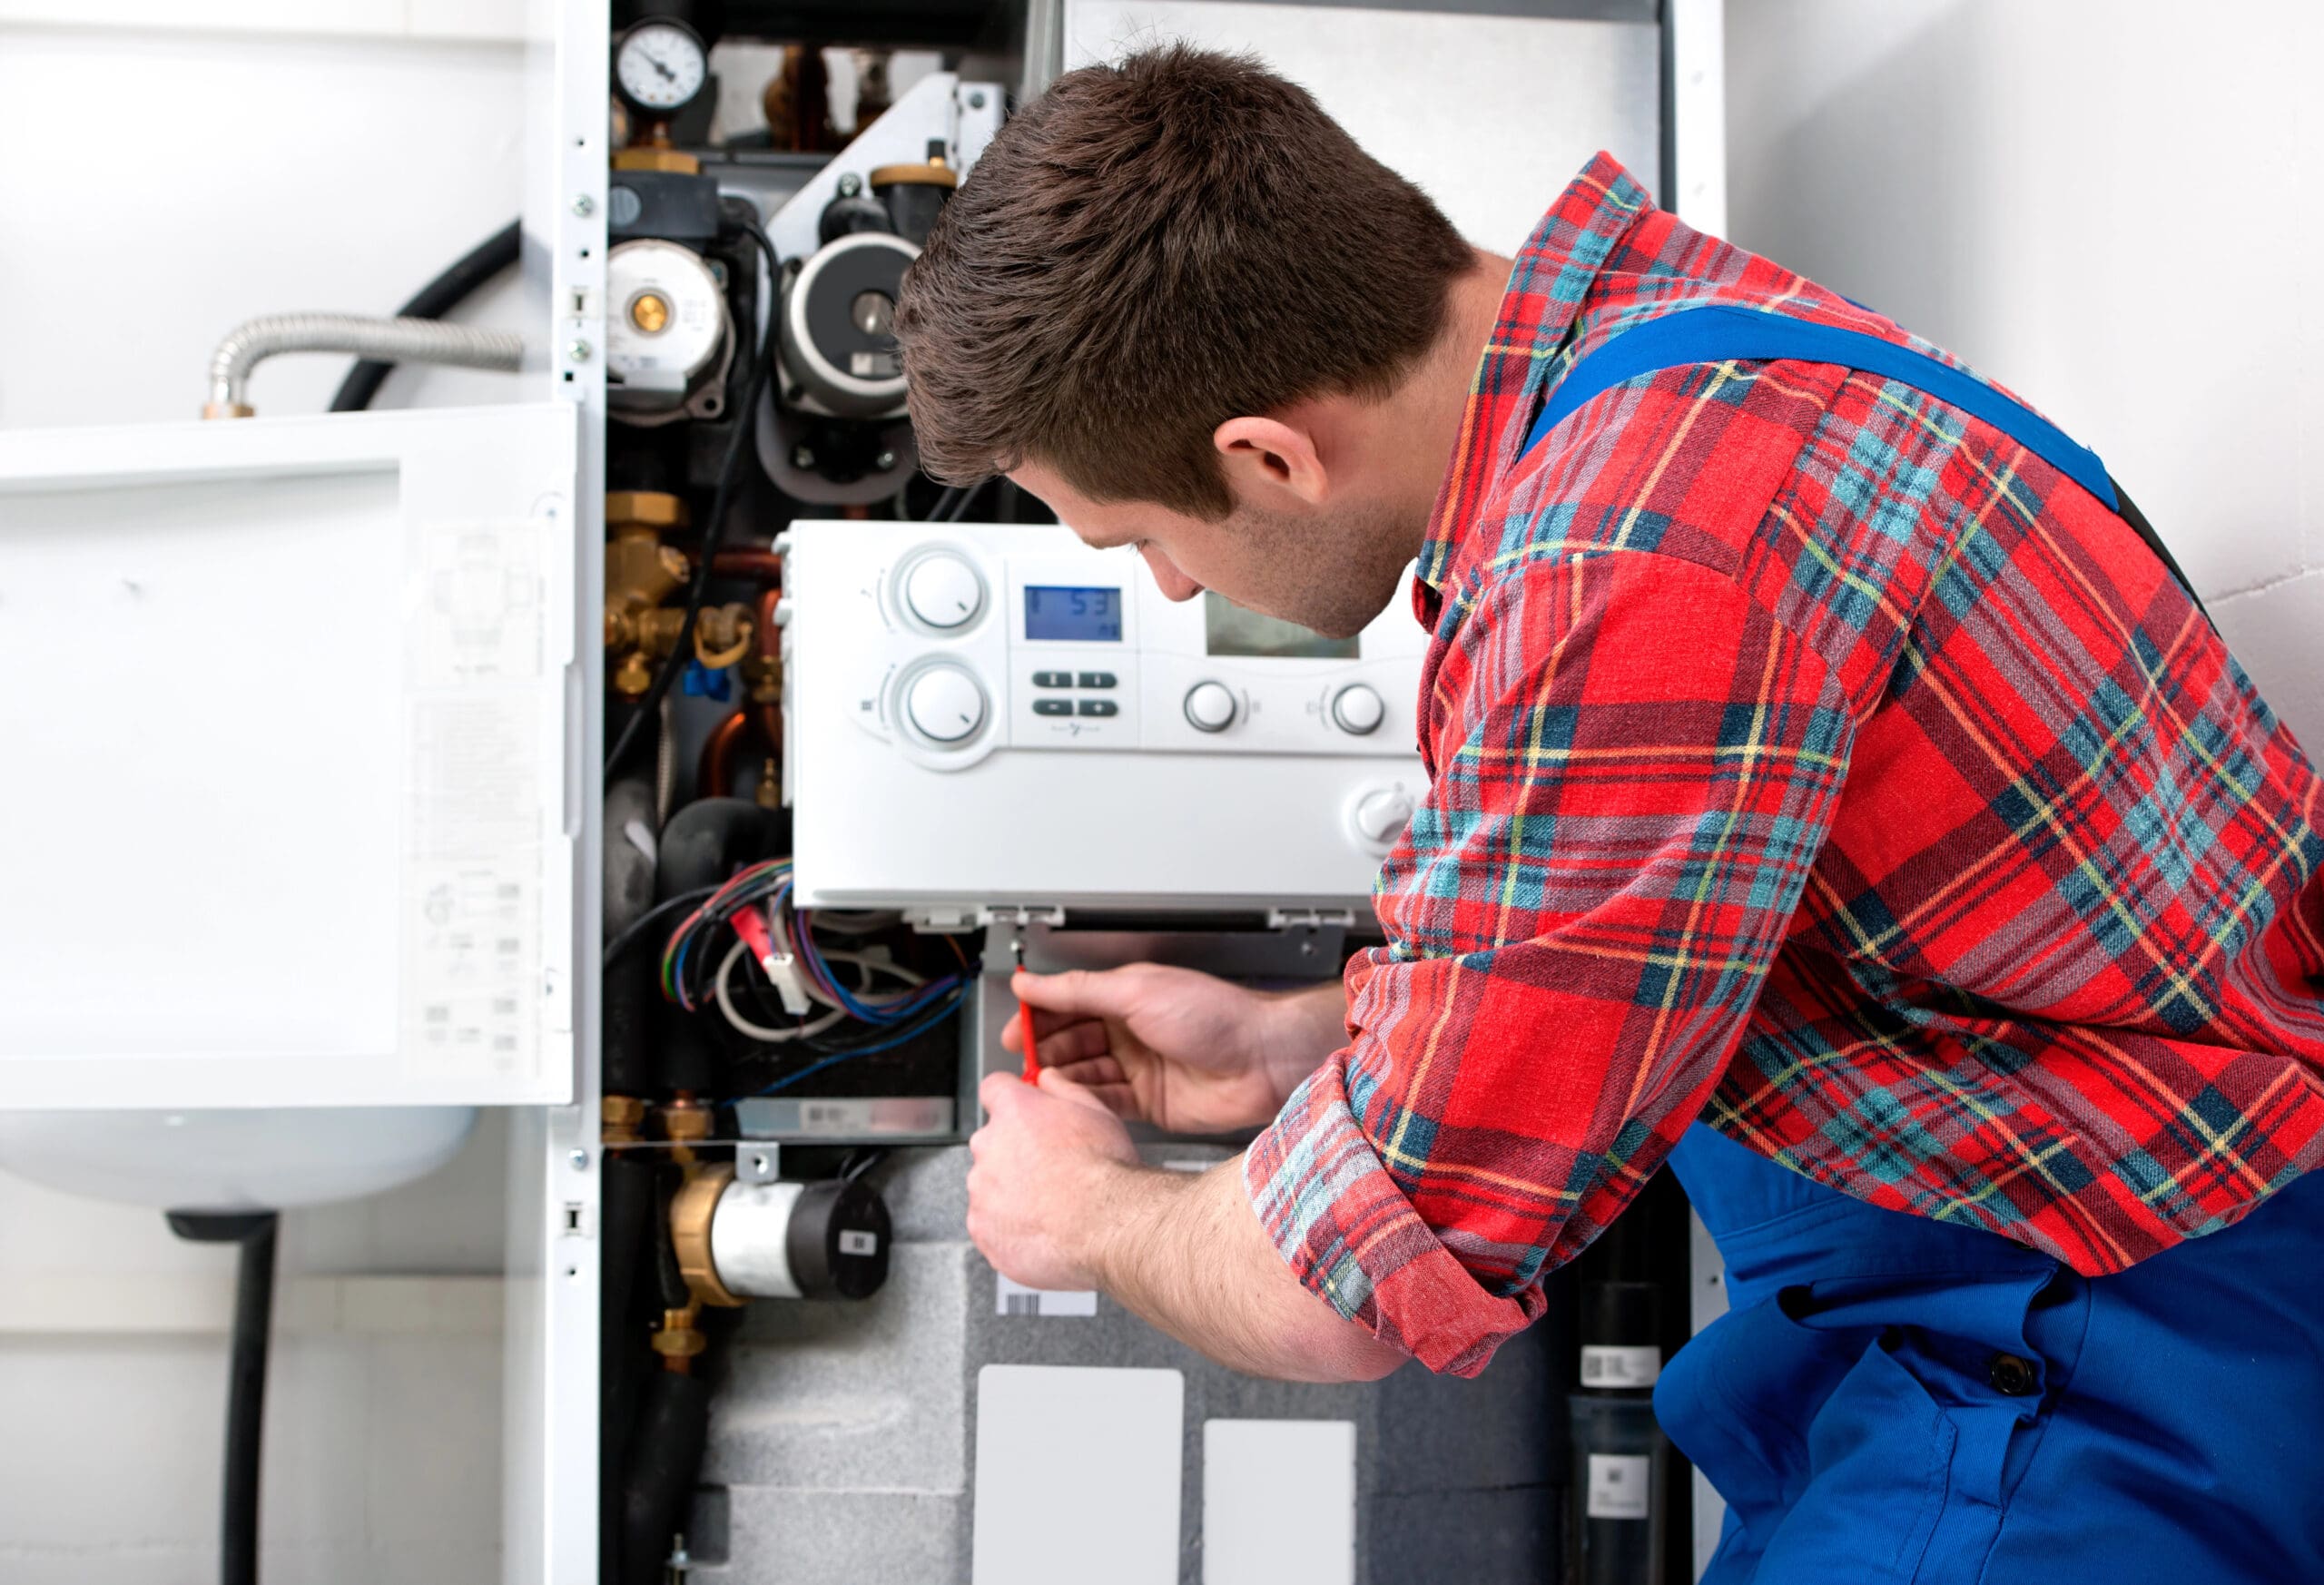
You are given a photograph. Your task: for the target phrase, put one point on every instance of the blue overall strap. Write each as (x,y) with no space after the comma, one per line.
(1720,335)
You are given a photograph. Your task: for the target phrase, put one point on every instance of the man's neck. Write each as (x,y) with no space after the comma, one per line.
(1435,395)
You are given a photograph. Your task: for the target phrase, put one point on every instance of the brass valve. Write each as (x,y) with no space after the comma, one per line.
(641,572)
(677,1340)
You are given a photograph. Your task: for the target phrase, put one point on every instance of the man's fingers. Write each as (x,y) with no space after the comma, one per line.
(1054,1082)
(1075,1043)
(1076,991)
(1089,1071)
(1002,1093)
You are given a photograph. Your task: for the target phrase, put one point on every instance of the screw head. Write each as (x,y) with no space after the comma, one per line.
(584,205)
(577,350)
(803,456)
(850,184)
(976,99)
(884,461)
(579,1160)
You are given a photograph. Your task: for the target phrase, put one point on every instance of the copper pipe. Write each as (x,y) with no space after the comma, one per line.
(715,775)
(762,566)
(769,637)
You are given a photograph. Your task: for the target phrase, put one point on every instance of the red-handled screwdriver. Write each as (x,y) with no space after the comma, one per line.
(1025,1023)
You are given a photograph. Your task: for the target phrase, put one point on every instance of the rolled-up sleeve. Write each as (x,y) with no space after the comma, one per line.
(1635,767)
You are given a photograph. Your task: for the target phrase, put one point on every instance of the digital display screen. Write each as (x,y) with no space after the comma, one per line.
(1063,615)
(1230,630)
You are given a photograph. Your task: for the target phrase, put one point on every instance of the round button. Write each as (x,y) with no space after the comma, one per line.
(1210,706)
(944,704)
(2012,1376)
(1358,709)
(943,591)
(1381,815)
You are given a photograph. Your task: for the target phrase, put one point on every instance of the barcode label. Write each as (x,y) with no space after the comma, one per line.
(1619,1367)
(852,1242)
(1622,1486)
(1017,1299)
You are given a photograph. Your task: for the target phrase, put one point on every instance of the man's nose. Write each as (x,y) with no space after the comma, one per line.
(1173,583)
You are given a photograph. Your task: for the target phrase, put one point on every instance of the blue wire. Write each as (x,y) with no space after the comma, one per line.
(890,1044)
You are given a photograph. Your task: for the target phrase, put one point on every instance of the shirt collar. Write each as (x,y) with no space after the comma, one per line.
(1552,275)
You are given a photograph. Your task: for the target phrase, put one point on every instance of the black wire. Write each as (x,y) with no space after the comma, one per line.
(645,921)
(433,301)
(649,706)
(968,498)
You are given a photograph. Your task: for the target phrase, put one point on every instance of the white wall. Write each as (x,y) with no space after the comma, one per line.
(157,187)
(2115,207)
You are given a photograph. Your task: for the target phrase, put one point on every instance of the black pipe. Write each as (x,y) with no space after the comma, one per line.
(246,1375)
(628,1202)
(673,1424)
(433,301)
(704,842)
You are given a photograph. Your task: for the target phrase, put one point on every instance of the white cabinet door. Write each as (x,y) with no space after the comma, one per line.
(289,717)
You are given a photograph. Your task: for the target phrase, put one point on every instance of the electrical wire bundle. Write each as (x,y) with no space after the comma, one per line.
(754,907)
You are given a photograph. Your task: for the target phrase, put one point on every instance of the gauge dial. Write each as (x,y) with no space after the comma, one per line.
(660,67)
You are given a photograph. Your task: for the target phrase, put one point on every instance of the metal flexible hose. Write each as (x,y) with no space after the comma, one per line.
(388,340)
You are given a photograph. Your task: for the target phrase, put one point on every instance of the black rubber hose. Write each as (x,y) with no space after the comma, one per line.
(433,301)
(704,842)
(628,1201)
(246,1376)
(665,1458)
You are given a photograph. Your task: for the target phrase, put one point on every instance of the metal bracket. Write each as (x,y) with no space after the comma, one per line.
(1310,919)
(758,1163)
(953,918)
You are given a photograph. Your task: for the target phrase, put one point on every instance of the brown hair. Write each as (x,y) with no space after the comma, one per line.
(1148,249)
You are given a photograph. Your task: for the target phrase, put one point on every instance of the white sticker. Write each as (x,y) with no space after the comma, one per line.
(1622,1486)
(1619,1367)
(1017,1299)
(853,1241)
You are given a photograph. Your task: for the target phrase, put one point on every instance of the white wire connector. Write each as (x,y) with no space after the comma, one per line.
(782,973)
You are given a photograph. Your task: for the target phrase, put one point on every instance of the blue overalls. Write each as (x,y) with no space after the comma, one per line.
(1895,1399)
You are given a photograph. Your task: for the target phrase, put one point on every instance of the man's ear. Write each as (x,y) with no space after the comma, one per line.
(1267,459)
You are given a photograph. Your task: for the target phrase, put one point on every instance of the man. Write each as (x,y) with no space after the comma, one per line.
(1830,796)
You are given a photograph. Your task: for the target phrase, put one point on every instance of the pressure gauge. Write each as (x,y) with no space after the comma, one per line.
(659,67)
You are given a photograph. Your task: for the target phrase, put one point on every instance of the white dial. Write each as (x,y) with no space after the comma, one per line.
(1376,817)
(943,591)
(1210,706)
(1358,709)
(660,67)
(944,704)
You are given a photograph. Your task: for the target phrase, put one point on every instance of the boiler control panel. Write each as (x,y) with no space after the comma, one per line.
(997,714)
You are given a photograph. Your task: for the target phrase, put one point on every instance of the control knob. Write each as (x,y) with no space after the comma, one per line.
(1376,817)
(944,704)
(943,591)
(1358,709)
(1210,706)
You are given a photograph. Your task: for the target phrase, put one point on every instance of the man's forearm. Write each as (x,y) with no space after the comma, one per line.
(1310,1024)
(1188,1255)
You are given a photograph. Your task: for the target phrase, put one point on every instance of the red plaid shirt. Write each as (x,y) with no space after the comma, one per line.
(1810,760)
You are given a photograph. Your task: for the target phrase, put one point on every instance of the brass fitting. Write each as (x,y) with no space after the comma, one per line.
(641,572)
(723,634)
(685,1122)
(691,1210)
(619,1117)
(762,676)
(648,158)
(768,794)
(677,1340)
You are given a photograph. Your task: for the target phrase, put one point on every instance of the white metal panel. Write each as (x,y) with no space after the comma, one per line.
(288,820)
(1078,1475)
(1491,116)
(1278,1502)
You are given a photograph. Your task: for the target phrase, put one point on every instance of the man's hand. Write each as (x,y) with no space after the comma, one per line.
(1044,1163)
(1187,1052)
(1057,1199)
